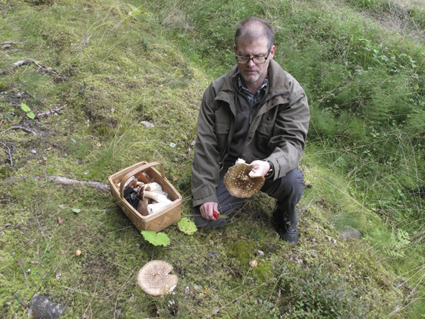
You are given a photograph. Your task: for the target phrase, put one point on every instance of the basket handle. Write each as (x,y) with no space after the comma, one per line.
(137,169)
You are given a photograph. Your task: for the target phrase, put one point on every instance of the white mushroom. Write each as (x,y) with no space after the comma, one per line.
(157,197)
(239,183)
(157,207)
(153,187)
(154,278)
(142,206)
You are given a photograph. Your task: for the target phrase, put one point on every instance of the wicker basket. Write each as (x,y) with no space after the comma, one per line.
(157,221)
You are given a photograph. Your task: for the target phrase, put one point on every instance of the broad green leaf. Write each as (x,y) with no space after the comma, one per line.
(156,239)
(187,226)
(76,210)
(31,115)
(25,107)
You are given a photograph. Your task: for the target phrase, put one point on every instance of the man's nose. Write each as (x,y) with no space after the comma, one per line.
(251,63)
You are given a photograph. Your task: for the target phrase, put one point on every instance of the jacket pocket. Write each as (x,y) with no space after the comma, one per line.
(201,192)
(222,133)
(262,138)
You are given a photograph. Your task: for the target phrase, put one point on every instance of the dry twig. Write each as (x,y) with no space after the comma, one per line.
(10,154)
(41,67)
(50,112)
(19,127)
(7,44)
(22,267)
(67,181)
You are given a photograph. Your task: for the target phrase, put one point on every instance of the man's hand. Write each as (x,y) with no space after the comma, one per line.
(261,168)
(207,209)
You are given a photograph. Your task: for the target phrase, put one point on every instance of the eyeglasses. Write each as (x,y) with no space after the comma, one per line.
(256,59)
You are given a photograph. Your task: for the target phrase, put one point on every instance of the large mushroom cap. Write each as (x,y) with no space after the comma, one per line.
(239,183)
(154,278)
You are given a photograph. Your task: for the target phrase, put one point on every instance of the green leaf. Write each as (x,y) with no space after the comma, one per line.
(25,107)
(76,210)
(187,226)
(156,239)
(31,115)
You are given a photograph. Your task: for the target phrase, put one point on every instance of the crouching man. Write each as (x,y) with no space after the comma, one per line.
(257,112)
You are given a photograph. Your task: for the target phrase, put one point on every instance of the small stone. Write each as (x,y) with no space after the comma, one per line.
(44,308)
(147,124)
(349,232)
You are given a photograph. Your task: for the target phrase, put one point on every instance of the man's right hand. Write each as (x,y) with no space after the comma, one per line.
(207,209)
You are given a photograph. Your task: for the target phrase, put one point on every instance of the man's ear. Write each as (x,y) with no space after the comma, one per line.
(272,52)
(234,48)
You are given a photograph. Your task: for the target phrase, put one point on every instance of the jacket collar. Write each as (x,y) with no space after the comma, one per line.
(279,85)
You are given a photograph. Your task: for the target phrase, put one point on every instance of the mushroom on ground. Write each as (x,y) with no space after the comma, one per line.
(239,183)
(154,278)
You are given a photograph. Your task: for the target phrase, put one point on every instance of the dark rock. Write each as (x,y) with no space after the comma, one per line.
(42,308)
(349,232)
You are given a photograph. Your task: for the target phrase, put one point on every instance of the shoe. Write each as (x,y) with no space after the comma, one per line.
(286,231)
(291,235)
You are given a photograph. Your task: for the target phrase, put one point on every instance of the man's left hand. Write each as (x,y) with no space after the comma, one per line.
(260,168)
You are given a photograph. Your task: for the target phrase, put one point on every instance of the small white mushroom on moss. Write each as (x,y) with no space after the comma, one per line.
(239,183)
(155,279)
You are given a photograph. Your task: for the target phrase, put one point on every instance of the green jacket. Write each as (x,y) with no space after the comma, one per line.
(277,131)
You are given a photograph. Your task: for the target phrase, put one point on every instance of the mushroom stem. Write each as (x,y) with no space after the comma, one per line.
(156,208)
(160,198)
(142,206)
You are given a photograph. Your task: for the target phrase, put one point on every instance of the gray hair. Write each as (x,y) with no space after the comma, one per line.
(254,28)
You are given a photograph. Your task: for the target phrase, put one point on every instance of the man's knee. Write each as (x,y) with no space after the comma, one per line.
(292,184)
(295,180)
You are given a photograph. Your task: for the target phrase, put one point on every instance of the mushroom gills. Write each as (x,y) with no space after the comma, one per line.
(155,278)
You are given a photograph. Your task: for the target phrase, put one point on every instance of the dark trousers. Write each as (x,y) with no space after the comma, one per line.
(286,190)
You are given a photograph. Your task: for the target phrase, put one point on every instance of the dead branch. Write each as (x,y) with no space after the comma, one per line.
(42,68)
(19,127)
(62,180)
(22,267)
(66,181)
(9,153)
(49,112)
(8,44)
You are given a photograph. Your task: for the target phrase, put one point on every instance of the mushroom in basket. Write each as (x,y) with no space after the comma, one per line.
(239,183)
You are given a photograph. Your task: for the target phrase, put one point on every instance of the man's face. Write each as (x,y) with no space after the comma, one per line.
(253,74)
